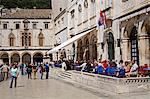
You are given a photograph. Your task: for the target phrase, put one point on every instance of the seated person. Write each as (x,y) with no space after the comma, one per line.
(83,66)
(121,72)
(121,69)
(100,70)
(111,70)
(134,69)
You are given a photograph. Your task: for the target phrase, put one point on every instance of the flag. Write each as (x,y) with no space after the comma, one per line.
(102,19)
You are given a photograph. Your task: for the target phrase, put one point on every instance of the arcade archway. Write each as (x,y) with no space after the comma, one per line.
(15,58)
(5,58)
(38,58)
(110,42)
(26,58)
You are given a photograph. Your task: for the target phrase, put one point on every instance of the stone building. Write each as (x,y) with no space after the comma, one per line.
(132,22)
(81,18)
(26,35)
(125,34)
(59,8)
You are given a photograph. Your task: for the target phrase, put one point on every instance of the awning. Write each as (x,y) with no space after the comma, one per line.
(71,40)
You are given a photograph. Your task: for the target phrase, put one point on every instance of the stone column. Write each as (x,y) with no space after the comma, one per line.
(20,60)
(9,59)
(31,58)
(124,49)
(143,45)
(126,54)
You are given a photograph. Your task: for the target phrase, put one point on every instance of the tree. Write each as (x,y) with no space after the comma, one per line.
(26,3)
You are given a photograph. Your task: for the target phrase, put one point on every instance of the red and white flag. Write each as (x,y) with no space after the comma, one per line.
(102,19)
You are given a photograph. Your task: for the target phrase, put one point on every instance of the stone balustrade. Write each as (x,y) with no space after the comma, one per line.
(107,83)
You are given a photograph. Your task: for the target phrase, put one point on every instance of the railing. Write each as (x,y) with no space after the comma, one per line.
(111,84)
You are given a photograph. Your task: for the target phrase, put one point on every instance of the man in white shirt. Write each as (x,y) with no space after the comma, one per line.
(83,66)
(134,69)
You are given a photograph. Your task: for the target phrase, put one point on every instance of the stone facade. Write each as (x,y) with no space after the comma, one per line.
(80,17)
(26,42)
(133,23)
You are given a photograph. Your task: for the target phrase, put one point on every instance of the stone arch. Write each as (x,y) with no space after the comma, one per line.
(86,54)
(111,46)
(146,25)
(129,24)
(145,29)
(5,57)
(26,58)
(38,57)
(80,50)
(93,43)
(106,33)
(15,57)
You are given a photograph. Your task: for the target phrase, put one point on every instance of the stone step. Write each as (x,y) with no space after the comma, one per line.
(65,75)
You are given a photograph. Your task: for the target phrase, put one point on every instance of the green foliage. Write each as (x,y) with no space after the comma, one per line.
(26,3)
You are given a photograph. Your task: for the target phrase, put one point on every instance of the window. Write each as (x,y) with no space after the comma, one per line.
(62,19)
(17,26)
(93,1)
(11,39)
(26,39)
(124,0)
(86,4)
(4,26)
(29,40)
(46,25)
(60,9)
(80,8)
(41,39)
(72,13)
(34,26)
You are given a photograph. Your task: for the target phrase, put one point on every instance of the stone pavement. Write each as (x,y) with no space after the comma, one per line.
(56,89)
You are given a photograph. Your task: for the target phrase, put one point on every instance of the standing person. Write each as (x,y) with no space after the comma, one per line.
(14,74)
(47,69)
(41,69)
(5,71)
(21,67)
(34,71)
(64,66)
(29,71)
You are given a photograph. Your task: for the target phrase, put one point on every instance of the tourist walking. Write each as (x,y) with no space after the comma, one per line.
(14,74)
(34,71)
(29,71)
(47,69)
(41,70)
(5,70)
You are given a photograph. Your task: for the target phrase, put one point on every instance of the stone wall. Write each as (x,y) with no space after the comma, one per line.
(106,83)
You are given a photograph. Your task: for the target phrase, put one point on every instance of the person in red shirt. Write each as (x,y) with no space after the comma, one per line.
(105,64)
